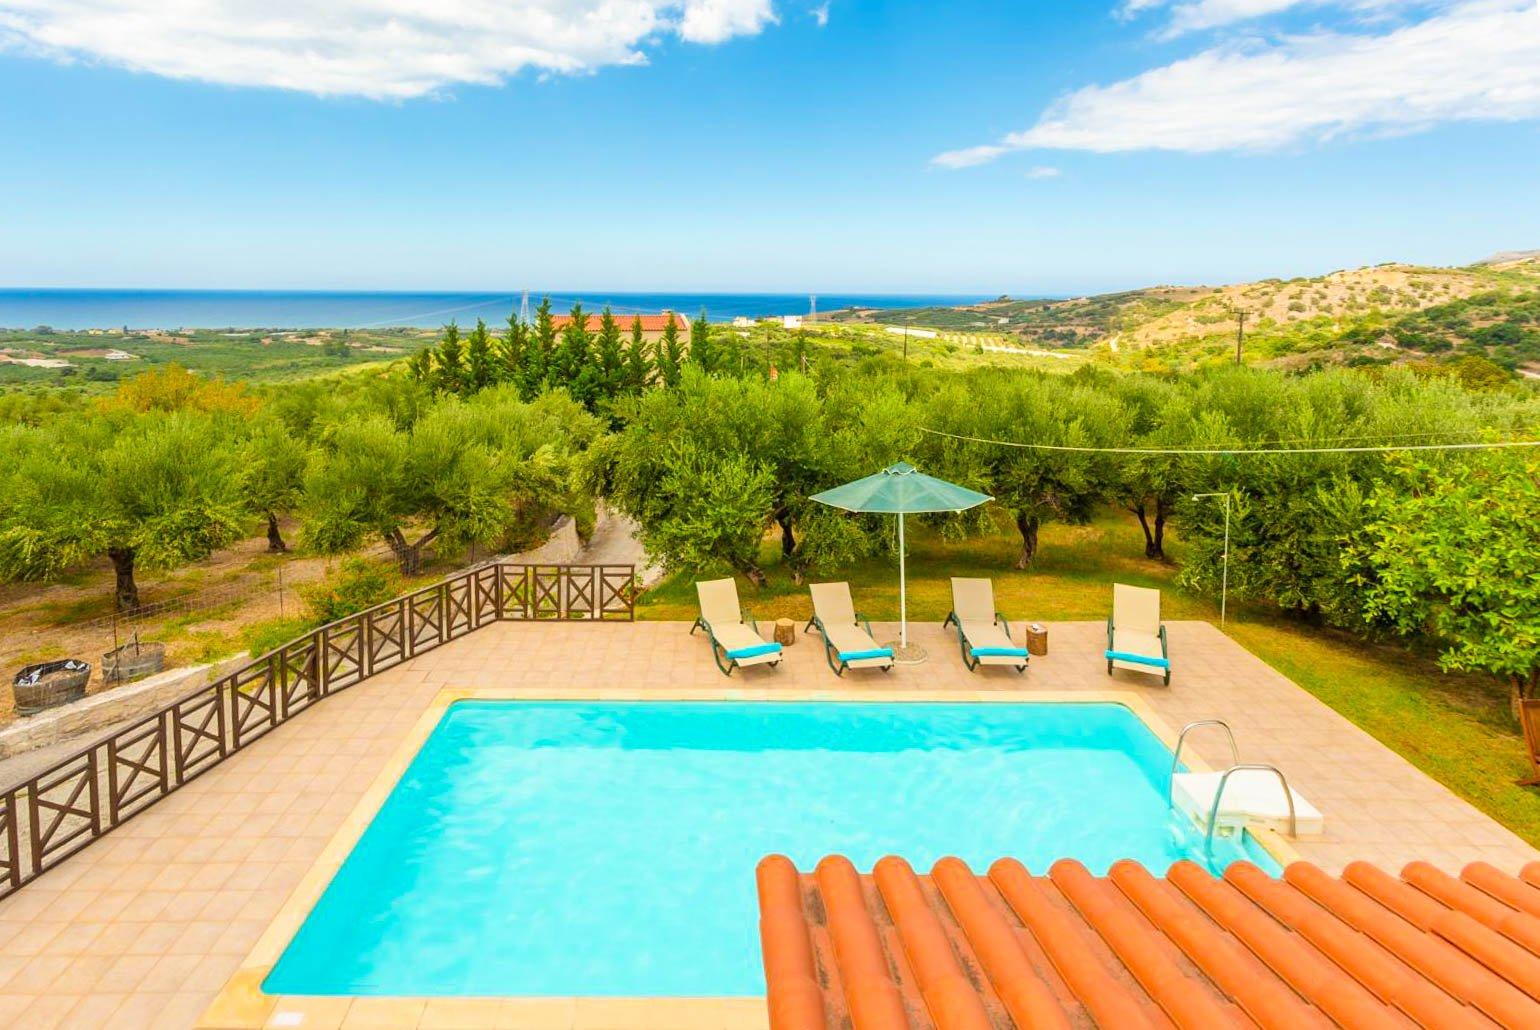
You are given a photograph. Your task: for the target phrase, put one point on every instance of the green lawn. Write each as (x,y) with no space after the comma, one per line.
(1456,728)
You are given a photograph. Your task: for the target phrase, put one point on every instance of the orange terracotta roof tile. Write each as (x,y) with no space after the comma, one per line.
(650,323)
(956,950)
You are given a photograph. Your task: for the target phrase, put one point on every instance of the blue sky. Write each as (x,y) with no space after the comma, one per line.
(760,144)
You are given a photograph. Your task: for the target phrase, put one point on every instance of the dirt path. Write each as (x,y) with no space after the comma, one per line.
(615,543)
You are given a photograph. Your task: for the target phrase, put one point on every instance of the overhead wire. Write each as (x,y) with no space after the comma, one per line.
(1240,451)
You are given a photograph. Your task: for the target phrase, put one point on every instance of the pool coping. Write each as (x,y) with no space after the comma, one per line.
(242,1004)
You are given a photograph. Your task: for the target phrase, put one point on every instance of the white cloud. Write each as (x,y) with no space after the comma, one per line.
(371,48)
(713,21)
(1043,172)
(1478,60)
(1198,15)
(821,15)
(971,156)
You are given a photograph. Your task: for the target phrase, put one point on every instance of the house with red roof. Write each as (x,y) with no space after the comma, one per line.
(653,326)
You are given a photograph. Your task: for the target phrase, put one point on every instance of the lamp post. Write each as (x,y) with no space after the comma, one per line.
(1224,588)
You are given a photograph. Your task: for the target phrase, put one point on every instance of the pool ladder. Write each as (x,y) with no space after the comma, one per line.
(1236,765)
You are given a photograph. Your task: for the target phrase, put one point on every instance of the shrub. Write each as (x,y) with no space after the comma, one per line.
(261,637)
(358,585)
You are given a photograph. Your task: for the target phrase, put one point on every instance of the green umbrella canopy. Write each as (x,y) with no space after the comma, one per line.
(901,490)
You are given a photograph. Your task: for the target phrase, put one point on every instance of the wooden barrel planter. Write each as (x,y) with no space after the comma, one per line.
(133,661)
(43,686)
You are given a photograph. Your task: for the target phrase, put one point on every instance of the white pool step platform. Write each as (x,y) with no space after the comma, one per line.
(1252,797)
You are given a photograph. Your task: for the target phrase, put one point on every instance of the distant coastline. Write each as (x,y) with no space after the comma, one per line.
(72,309)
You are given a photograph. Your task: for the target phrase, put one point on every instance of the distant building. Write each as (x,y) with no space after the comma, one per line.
(119,355)
(742,322)
(652,325)
(791,321)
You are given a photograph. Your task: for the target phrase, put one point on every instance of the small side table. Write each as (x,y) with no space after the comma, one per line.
(1037,638)
(785,632)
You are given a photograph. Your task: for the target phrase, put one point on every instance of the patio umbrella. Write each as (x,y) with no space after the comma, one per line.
(901,490)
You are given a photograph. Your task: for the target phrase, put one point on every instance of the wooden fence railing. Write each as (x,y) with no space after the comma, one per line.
(58,812)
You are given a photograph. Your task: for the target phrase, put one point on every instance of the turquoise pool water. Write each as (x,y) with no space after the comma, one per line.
(574,848)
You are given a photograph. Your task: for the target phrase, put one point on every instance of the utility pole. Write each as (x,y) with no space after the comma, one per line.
(524,309)
(812,307)
(1240,333)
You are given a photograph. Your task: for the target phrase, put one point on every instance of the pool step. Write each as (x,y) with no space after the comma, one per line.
(1241,796)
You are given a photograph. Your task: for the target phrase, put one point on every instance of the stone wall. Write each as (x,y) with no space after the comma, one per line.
(94,715)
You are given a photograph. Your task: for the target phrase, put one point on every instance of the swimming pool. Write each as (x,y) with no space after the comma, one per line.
(544,848)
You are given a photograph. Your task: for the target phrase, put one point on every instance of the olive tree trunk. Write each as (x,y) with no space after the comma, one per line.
(1154,529)
(127,590)
(1027,526)
(408,554)
(275,543)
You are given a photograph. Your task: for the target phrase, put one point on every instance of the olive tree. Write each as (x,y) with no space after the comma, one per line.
(151,491)
(462,474)
(1150,485)
(1293,507)
(768,440)
(272,464)
(1035,483)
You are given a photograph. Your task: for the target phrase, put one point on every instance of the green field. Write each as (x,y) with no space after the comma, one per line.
(1456,728)
(851,341)
(257,356)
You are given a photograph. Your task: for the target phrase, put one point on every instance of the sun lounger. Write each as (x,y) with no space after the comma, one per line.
(1136,638)
(847,638)
(1252,797)
(735,638)
(982,633)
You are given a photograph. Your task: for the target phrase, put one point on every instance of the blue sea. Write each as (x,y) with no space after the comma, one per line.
(299,309)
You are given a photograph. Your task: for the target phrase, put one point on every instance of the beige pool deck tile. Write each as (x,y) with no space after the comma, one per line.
(47,1011)
(144,927)
(308,1013)
(93,1012)
(461,1014)
(384,1014)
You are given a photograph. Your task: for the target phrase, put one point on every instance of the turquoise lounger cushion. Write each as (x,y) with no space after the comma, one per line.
(856,656)
(999,652)
(755,651)
(1138,659)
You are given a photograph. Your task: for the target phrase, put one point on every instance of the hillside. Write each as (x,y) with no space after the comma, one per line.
(1381,314)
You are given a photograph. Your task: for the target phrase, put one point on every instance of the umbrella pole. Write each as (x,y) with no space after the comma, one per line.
(903,581)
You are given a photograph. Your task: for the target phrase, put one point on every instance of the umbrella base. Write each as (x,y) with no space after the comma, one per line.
(914,654)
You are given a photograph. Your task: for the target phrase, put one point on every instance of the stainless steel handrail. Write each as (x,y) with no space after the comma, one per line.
(1176,756)
(1224,779)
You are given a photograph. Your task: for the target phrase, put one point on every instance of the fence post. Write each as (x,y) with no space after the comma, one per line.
(12,842)
(93,789)
(316,665)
